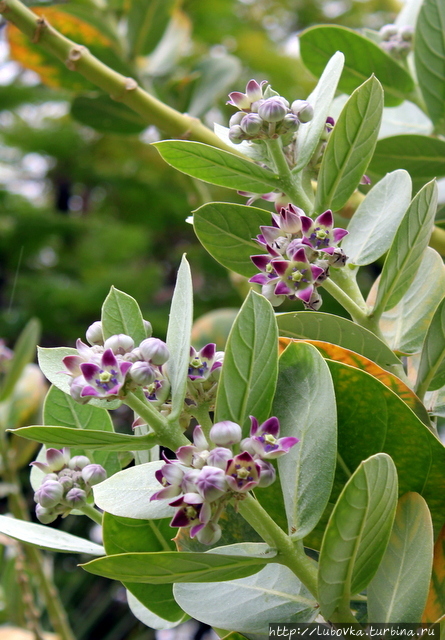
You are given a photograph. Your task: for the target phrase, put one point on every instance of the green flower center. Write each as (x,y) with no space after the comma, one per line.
(321,234)
(105,376)
(296,276)
(269,438)
(191,513)
(243,473)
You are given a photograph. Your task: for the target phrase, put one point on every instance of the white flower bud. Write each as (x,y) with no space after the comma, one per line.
(142,373)
(78,462)
(119,344)
(49,494)
(225,433)
(148,328)
(154,350)
(94,333)
(93,474)
(45,516)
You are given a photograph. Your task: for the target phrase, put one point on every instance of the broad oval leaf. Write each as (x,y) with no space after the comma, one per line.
(316,325)
(121,314)
(24,352)
(228,230)
(107,115)
(305,406)
(340,354)
(146,616)
(423,157)
(54,436)
(216,166)
(273,594)
(435,605)
(362,59)
(376,220)
(399,590)
(128,535)
(350,146)
(128,492)
(178,337)
(431,374)
(406,252)
(147,22)
(405,326)
(321,98)
(47,537)
(429,55)
(166,567)
(357,533)
(405,119)
(249,373)
(216,76)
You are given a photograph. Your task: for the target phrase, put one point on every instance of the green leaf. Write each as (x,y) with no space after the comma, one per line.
(431,374)
(317,325)
(362,59)
(350,146)
(122,535)
(121,314)
(60,409)
(47,537)
(376,220)
(178,337)
(406,252)
(85,438)
(128,492)
(227,230)
(50,362)
(107,115)
(249,373)
(145,615)
(357,533)
(305,406)
(147,22)
(429,55)
(399,590)
(251,603)
(372,419)
(321,99)
(24,352)
(216,166)
(423,157)
(404,119)
(216,77)
(173,566)
(405,326)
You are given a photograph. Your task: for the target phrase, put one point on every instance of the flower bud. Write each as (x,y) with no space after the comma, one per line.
(388,31)
(76,498)
(142,373)
(267,473)
(303,110)
(76,387)
(49,494)
(148,328)
(225,433)
(188,483)
(272,109)
(78,462)
(154,350)
(66,482)
(94,333)
(406,33)
(211,483)
(119,344)
(218,457)
(236,134)
(57,459)
(45,516)
(290,123)
(93,474)
(210,534)
(251,124)
(236,118)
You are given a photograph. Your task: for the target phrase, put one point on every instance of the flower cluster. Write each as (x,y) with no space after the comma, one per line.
(204,372)
(66,485)
(300,252)
(397,41)
(205,476)
(265,114)
(109,368)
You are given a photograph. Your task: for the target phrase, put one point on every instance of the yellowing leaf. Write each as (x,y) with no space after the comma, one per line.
(340,354)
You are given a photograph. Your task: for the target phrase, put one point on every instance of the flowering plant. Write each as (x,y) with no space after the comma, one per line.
(313,473)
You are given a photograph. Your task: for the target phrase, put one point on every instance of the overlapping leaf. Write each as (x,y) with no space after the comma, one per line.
(435,605)
(53,436)
(228,230)
(24,352)
(350,146)
(421,156)
(431,374)
(121,314)
(357,533)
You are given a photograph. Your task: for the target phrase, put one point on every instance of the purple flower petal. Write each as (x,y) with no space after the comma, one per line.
(325,219)
(72,363)
(259,278)
(261,261)
(208,352)
(89,370)
(109,359)
(338,234)
(316,271)
(299,255)
(272,426)
(88,391)
(305,294)
(280,266)
(253,425)
(282,289)
(307,224)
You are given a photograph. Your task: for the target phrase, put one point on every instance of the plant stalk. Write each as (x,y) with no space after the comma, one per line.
(168,435)
(289,183)
(201,413)
(289,554)
(92,513)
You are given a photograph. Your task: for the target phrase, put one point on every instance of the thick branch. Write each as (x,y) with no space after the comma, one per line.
(126,90)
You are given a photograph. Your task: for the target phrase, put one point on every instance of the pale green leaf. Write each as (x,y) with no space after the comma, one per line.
(58,437)
(376,220)
(350,146)
(431,374)
(305,406)
(399,590)
(121,314)
(357,534)
(24,352)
